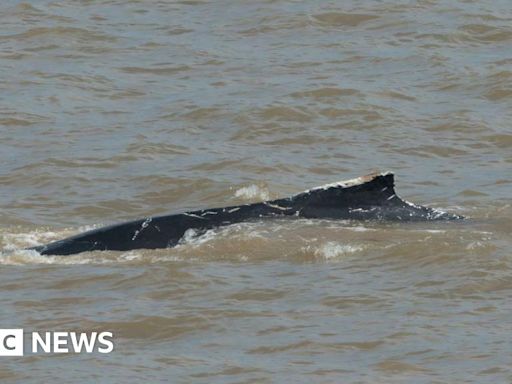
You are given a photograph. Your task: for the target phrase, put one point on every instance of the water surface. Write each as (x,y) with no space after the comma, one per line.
(114,110)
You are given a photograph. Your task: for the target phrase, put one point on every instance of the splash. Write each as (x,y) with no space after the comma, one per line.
(252,192)
(12,241)
(195,238)
(332,250)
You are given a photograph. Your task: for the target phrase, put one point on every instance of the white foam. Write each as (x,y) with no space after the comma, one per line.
(253,191)
(23,257)
(332,250)
(194,238)
(360,228)
(13,241)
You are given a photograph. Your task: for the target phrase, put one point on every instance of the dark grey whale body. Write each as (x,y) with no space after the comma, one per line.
(370,197)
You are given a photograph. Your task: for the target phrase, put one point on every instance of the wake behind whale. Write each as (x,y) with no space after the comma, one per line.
(370,197)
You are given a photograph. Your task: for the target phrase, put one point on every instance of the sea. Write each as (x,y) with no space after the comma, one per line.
(113,110)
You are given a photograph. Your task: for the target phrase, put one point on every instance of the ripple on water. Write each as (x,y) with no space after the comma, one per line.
(340,19)
(115,110)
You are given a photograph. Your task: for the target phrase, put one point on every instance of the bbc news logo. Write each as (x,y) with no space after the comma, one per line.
(12,342)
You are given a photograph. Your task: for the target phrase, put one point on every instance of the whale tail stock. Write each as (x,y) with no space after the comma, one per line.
(370,197)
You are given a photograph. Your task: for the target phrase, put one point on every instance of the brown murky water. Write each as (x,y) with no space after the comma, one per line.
(112,110)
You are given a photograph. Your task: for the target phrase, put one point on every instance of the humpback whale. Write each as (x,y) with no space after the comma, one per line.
(370,197)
